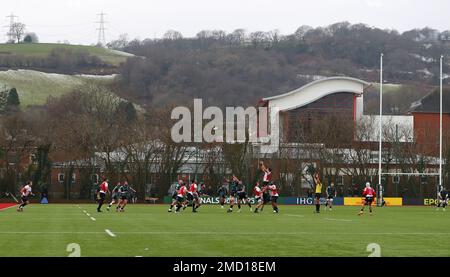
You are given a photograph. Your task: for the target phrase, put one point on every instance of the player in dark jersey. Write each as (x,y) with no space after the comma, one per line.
(222,191)
(233,192)
(442,201)
(331,194)
(242,196)
(114,196)
(124,191)
(174,195)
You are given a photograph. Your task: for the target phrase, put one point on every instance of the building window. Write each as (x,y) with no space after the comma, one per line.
(61,177)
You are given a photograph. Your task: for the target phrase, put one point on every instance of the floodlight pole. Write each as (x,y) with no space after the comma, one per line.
(380,187)
(440,127)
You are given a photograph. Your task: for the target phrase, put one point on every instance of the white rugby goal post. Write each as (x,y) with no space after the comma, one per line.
(380,172)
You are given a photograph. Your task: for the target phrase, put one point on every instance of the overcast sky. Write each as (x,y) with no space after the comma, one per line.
(73,20)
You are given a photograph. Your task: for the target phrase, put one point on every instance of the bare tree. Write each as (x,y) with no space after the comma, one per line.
(18,31)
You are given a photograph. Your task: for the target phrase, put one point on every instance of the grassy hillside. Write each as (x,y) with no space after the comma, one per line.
(112,57)
(35,87)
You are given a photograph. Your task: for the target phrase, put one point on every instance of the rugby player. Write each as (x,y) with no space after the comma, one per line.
(103,190)
(257,192)
(273,192)
(181,193)
(233,192)
(369,194)
(193,196)
(114,197)
(331,194)
(242,196)
(124,191)
(443,197)
(174,195)
(318,191)
(25,193)
(266,179)
(222,191)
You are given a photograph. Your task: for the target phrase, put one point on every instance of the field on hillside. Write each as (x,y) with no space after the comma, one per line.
(149,230)
(43,49)
(34,87)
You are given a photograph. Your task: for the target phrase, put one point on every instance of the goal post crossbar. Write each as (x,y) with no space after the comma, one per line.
(410,174)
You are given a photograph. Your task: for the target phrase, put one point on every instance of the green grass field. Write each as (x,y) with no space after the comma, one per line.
(34,87)
(44,49)
(149,230)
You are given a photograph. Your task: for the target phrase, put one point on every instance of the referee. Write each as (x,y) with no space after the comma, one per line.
(318,191)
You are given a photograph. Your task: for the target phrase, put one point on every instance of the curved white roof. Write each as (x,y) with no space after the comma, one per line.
(315,90)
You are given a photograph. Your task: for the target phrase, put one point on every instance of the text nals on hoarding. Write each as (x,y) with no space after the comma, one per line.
(242,125)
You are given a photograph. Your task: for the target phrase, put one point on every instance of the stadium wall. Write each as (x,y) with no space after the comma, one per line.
(338,201)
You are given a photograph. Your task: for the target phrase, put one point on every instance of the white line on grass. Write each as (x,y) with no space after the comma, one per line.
(336,219)
(84,211)
(110,233)
(93,219)
(236,233)
(88,214)
(296,215)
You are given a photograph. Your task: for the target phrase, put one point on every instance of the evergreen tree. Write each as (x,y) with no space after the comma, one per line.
(13,98)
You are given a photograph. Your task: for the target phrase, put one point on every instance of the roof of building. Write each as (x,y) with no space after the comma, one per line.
(315,90)
(430,103)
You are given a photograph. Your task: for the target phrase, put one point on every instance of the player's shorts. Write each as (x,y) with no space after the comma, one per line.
(24,198)
(258,199)
(195,195)
(174,195)
(115,196)
(273,199)
(266,198)
(369,200)
(190,197)
(242,195)
(222,195)
(318,195)
(233,194)
(101,196)
(331,198)
(124,197)
(180,199)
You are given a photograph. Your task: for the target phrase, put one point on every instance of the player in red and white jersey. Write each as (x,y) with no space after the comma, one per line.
(25,193)
(193,196)
(181,193)
(103,190)
(369,194)
(273,192)
(258,193)
(267,173)
(267,178)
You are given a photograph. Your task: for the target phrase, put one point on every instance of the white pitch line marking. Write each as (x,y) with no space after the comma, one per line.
(138,256)
(93,219)
(233,233)
(296,215)
(84,211)
(336,219)
(110,233)
(88,214)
